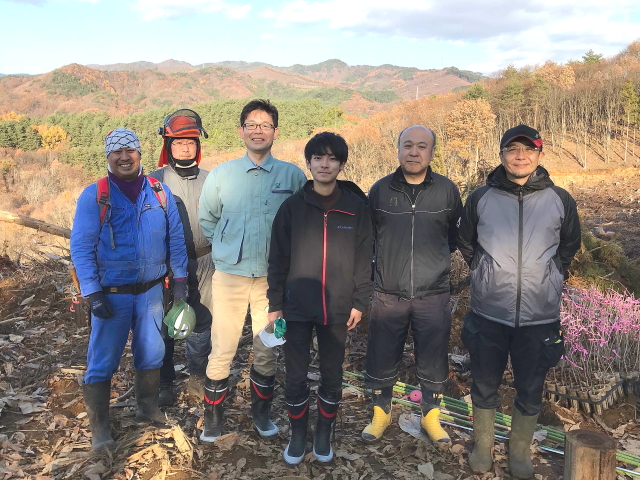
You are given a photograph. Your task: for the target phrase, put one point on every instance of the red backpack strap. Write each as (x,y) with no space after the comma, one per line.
(156,186)
(102,197)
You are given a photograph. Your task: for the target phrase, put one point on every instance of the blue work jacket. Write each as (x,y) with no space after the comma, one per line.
(133,245)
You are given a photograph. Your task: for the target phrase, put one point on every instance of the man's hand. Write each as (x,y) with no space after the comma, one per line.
(100,306)
(180,290)
(271,316)
(354,319)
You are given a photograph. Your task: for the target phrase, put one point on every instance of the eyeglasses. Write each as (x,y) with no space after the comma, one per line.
(263,126)
(512,150)
(188,143)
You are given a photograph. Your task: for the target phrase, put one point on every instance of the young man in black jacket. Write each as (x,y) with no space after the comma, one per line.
(415,214)
(319,275)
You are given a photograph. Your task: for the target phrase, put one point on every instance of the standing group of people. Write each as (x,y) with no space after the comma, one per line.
(319,253)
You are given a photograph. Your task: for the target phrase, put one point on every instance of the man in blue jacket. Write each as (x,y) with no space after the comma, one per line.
(238,203)
(121,248)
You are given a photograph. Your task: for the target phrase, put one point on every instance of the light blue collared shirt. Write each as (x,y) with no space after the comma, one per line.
(238,203)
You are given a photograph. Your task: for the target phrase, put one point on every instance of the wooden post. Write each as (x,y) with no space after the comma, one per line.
(589,455)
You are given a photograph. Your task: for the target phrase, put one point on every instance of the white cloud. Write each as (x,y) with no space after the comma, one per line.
(42,2)
(156,9)
(267,36)
(507,31)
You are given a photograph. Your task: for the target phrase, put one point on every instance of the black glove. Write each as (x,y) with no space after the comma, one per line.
(180,290)
(100,306)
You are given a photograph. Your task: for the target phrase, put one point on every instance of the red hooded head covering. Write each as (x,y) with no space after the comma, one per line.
(183,123)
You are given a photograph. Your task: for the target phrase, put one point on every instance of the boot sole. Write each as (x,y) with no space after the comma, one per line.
(371,440)
(267,434)
(206,439)
(292,460)
(104,447)
(148,421)
(323,458)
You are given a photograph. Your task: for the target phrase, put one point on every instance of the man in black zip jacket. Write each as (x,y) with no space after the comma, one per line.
(518,233)
(319,276)
(415,213)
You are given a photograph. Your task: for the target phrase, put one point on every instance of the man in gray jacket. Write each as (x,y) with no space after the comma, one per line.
(180,171)
(518,234)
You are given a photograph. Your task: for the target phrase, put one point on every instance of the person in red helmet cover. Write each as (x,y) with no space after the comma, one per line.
(180,171)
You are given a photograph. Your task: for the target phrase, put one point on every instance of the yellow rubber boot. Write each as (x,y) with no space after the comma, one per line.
(430,423)
(381,420)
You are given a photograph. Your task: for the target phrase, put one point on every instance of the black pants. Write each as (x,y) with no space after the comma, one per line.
(197,350)
(331,342)
(389,322)
(533,350)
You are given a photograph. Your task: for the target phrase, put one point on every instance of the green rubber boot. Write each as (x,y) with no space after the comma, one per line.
(522,428)
(147,390)
(480,459)
(96,398)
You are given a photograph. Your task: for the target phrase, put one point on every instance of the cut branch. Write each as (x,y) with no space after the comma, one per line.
(36,224)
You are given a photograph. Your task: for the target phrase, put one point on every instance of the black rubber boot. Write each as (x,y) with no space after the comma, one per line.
(262,387)
(96,399)
(165,395)
(381,415)
(480,459)
(328,404)
(298,410)
(522,429)
(147,386)
(215,392)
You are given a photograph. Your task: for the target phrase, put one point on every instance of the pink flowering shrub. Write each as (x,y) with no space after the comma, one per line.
(601,332)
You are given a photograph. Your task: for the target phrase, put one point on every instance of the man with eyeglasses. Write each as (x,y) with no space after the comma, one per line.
(239,201)
(518,234)
(180,171)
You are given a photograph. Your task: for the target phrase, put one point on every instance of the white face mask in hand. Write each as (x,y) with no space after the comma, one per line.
(268,337)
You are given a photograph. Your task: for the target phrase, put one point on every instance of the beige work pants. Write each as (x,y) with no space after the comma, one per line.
(231,295)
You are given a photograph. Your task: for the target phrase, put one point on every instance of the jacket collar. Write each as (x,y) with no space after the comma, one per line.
(398,180)
(346,201)
(539,180)
(267,163)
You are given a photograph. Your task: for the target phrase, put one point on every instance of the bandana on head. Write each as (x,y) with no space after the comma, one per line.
(121,138)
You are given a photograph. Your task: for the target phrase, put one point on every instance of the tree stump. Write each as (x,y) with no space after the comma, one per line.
(589,456)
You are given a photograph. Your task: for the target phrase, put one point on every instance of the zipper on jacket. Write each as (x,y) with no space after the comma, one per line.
(324,270)
(413,221)
(324,262)
(520,235)
(223,229)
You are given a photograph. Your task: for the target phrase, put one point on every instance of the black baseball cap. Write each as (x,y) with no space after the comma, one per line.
(521,131)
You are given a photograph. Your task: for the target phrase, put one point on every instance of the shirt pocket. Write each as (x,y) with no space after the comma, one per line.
(275,197)
(153,246)
(227,244)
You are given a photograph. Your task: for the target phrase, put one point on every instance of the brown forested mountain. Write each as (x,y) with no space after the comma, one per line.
(127,88)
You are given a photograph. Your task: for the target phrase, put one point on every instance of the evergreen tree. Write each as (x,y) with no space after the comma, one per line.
(476,91)
(591,57)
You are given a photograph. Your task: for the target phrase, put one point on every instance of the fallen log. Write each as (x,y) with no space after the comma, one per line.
(36,224)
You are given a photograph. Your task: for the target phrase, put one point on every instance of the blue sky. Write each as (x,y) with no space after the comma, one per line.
(38,36)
